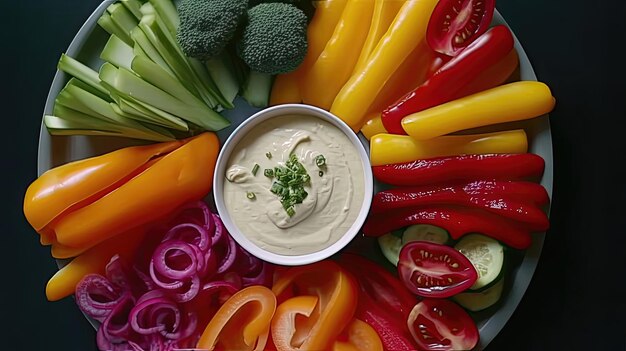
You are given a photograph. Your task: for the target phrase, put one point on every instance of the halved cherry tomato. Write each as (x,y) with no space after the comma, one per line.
(456,23)
(440,324)
(434,270)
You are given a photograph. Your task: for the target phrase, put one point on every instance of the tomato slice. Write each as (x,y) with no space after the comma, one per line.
(440,324)
(454,24)
(435,270)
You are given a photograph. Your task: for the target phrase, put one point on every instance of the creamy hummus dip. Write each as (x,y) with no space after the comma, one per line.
(334,190)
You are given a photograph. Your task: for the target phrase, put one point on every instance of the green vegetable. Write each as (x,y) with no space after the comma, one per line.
(320,161)
(290,183)
(250,195)
(274,38)
(487,256)
(320,173)
(255,169)
(268,155)
(425,232)
(390,244)
(478,301)
(207,26)
(273,41)
(268,173)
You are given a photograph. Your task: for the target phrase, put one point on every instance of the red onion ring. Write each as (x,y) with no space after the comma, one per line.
(184,253)
(191,233)
(196,212)
(116,327)
(228,252)
(96,296)
(156,313)
(219,228)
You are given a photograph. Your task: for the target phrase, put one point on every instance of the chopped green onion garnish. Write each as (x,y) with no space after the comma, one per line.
(250,195)
(268,172)
(321,173)
(255,168)
(268,155)
(289,183)
(320,160)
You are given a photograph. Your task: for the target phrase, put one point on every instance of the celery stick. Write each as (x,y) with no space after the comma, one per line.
(84,73)
(78,123)
(133,6)
(89,88)
(142,43)
(87,103)
(127,83)
(122,17)
(106,22)
(153,114)
(154,74)
(167,11)
(117,52)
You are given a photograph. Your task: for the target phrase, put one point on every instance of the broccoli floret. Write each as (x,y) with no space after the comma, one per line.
(207,26)
(256,2)
(274,38)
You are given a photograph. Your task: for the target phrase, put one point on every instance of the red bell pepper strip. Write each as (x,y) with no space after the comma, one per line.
(474,194)
(458,221)
(493,76)
(484,52)
(461,168)
(358,336)
(384,301)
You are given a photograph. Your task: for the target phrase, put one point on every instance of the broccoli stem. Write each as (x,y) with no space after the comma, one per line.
(256,90)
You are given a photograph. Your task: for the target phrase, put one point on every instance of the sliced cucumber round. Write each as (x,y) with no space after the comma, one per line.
(390,245)
(487,256)
(425,232)
(478,301)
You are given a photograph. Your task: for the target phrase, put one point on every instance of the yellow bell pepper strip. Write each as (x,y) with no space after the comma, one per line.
(320,30)
(358,336)
(67,186)
(335,64)
(373,126)
(183,175)
(93,261)
(506,103)
(242,322)
(411,73)
(384,13)
(393,148)
(285,89)
(336,291)
(405,33)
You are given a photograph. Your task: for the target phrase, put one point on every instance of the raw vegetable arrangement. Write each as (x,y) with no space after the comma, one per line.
(431,84)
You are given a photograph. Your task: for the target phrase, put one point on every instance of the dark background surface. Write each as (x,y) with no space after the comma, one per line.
(576,300)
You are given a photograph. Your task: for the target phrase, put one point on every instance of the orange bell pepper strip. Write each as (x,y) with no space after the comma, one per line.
(63,282)
(182,175)
(405,33)
(59,189)
(336,291)
(287,323)
(242,322)
(393,148)
(335,64)
(358,336)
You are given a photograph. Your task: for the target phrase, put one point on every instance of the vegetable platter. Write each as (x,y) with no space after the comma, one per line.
(490,137)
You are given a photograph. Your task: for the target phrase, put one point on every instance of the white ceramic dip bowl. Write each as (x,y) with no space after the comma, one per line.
(245,203)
